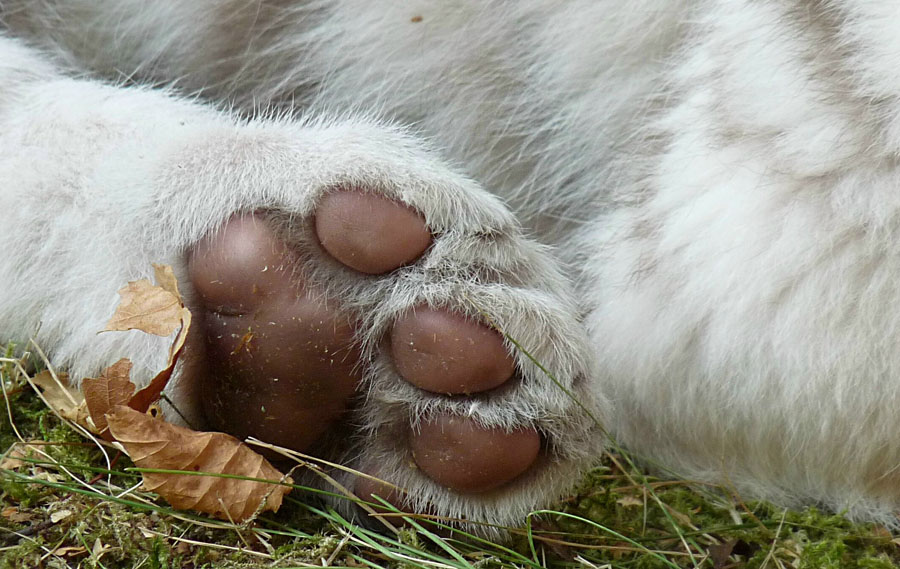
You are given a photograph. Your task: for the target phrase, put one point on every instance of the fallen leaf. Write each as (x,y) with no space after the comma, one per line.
(18,451)
(165,279)
(60,515)
(11,460)
(13,514)
(152,392)
(629,501)
(153,443)
(146,307)
(69,551)
(156,309)
(99,549)
(166,284)
(113,387)
(62,398)
(680,517)
(719,553)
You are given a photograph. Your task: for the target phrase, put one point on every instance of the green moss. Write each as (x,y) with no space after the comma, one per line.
(705,520)
(615,519)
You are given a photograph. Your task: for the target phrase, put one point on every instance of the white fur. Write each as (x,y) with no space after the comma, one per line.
(718,177)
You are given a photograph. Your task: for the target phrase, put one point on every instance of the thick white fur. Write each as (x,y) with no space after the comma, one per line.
(719,178)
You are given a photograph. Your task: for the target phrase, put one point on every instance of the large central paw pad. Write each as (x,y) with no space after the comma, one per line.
(284,364)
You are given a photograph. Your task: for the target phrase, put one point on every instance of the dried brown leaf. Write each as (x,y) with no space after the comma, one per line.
(155,309)
(153,443)
(70,551)
(680,517)
(99,549)
(165,279)
(12,460)
(719,553)
(60,515)
(152,392)
(629,501)
(13,514)
(113,387)
(21,454)
(62,398)
(147,307)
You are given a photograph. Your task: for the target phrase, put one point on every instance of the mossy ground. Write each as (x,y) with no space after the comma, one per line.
(65,509)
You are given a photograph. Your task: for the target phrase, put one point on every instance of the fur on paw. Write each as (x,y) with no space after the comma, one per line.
(407,330)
